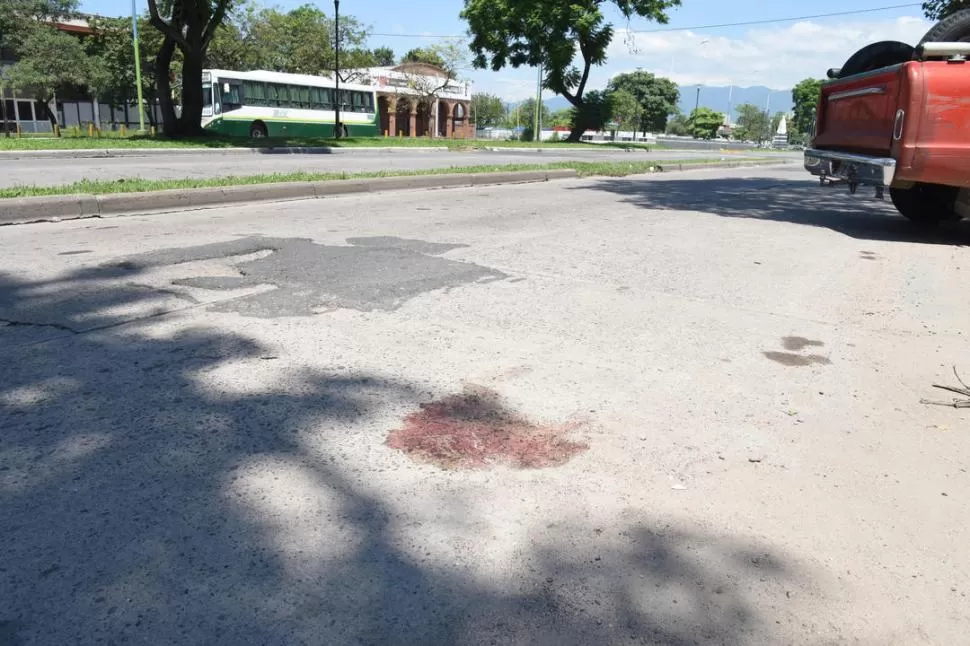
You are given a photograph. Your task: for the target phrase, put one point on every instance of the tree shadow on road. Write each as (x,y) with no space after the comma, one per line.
(142,502)
(803,202)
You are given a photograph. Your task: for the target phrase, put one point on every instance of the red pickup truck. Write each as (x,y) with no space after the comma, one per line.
(898,117)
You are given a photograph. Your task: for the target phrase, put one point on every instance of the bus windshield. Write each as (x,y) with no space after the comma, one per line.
(206,99)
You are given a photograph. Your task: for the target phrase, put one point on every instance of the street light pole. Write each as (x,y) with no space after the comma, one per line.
(134,40)
(338,131)
(3,94)
(697,101)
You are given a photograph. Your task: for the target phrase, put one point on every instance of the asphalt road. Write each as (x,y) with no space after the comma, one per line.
(291,423)
(62,171)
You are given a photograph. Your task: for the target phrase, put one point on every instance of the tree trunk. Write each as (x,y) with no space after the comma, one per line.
(190,123)
(163,70)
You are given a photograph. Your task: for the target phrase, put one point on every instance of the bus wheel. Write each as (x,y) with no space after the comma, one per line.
(257,130)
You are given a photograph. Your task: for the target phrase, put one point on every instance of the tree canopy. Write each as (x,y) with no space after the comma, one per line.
(625,109)
(488,110)
(940,9)
(753,123)
(550,34)
(657,97)
(704,123)
(805,96)
(428,55)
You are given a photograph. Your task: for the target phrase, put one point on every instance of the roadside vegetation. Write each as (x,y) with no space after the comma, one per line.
(140,185)
(108,141)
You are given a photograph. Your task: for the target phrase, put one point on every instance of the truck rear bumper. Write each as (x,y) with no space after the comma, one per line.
(857,169)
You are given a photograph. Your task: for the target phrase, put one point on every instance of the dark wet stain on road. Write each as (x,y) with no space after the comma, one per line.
(798,343)
(75,253)
(377,273)
(474,430)
(793,360)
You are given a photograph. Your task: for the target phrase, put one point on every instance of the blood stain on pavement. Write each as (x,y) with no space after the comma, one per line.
(474,430)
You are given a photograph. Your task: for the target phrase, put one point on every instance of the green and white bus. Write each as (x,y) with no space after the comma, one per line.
(274,104)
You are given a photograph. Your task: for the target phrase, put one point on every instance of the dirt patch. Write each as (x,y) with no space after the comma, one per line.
(474,430)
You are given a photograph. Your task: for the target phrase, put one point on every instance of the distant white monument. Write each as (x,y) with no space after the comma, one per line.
(781,136)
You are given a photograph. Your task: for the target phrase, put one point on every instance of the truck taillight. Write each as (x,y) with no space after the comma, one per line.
(898,125)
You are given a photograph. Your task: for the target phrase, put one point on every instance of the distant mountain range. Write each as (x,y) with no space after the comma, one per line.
(719,98)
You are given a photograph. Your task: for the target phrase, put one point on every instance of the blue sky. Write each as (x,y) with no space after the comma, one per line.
(777,55)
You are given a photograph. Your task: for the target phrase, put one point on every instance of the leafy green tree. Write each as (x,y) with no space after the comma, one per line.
(18,18)
(562,118)
(678,125)
(428,55)
(524,114)
(49,60)
(704,123)
(805,96)
(657,96)
(383,57)
(625,109)
(940,9)
(593,114)
(550,34)
(488,110)
(753,123)
(111,48)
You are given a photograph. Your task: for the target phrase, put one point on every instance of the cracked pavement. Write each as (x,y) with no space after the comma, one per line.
(197,413)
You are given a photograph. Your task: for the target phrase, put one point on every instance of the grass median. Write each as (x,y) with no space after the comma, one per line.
(113,141)
(140,185)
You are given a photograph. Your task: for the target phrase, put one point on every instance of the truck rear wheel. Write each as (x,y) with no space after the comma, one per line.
(875,56)
(926,204)
(952,29)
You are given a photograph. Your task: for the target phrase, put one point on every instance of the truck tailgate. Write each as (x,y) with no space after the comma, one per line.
(857,114)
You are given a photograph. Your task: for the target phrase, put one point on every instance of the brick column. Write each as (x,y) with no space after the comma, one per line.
(449,109)
(391,117)
(414,121)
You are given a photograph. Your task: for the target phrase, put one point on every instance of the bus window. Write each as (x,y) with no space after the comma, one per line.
(231,98)
(207,101)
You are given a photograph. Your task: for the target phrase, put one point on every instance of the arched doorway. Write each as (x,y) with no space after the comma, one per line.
(403,117)
(444,116)
(424,120)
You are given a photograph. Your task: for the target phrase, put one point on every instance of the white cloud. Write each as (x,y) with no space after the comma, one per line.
(773,56)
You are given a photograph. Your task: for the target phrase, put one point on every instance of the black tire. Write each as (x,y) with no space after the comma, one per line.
(952,29)
(257,130)
(875,56)
(926,204)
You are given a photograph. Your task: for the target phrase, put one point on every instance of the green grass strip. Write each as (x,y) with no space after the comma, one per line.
(140,185)
(113,141)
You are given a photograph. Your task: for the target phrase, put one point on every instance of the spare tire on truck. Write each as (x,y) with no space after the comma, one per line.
(952,29)
(875,56)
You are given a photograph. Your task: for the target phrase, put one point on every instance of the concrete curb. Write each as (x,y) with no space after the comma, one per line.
(108,153)
(72,207)
(27,210)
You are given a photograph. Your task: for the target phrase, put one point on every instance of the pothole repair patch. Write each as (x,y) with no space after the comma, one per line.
(474,430)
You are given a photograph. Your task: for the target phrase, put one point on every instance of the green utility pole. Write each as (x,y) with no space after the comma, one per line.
(134,40)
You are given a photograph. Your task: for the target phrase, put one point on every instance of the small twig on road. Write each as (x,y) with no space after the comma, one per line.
(962,382)
(955,403)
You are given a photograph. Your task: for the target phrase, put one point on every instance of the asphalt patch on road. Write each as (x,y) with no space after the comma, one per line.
(475,430)
(375,273)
